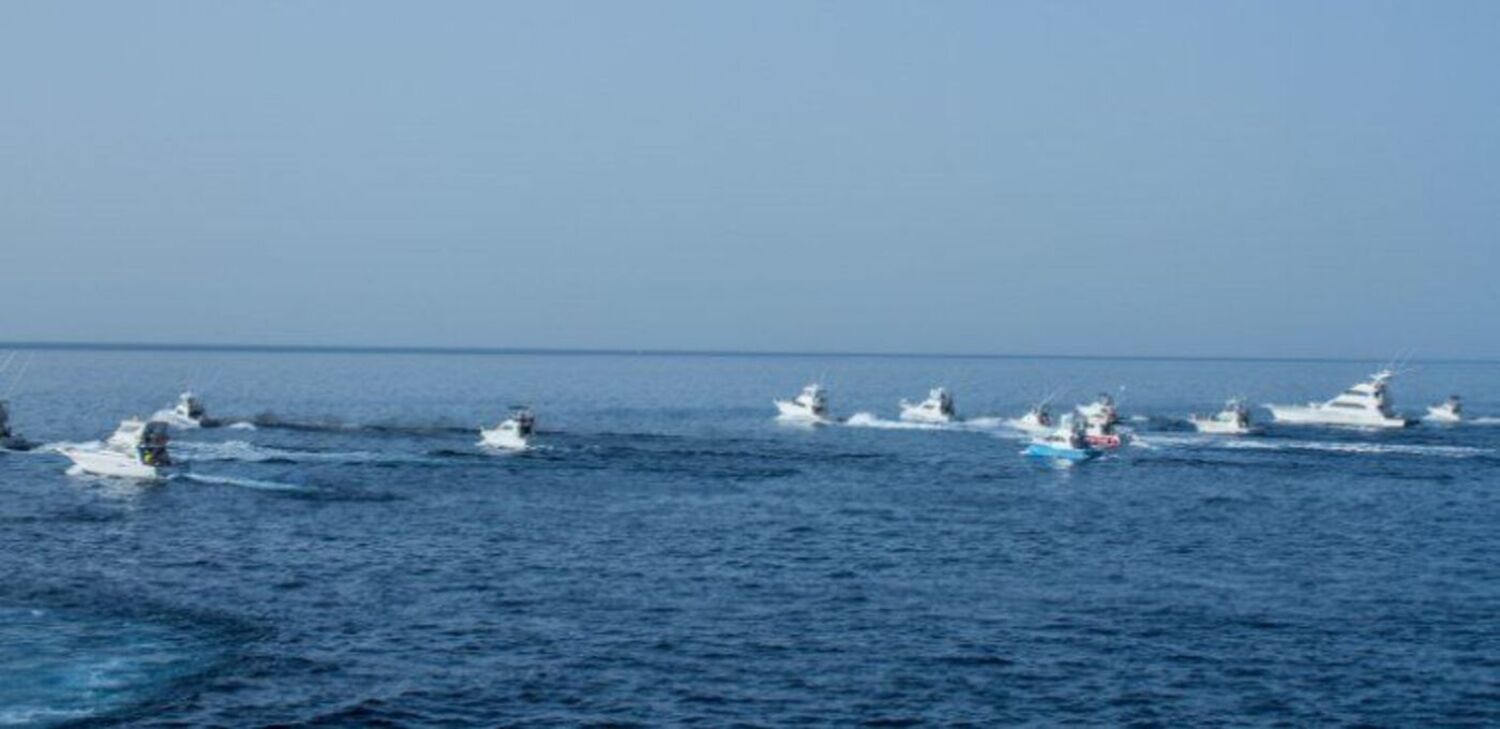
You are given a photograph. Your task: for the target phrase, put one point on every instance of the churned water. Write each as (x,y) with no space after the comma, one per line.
(669,554)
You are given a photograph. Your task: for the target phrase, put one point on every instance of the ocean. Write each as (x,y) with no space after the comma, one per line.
(343,553)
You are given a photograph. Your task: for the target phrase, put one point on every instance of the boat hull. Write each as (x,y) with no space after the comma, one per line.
(1076,455)
(796,412)
(503,439)
(916,414)
(15,443)
(1030,425)
(1323,415)
(1442,415)
(114,464)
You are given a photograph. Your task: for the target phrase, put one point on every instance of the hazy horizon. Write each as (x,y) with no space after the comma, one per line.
(1159,179)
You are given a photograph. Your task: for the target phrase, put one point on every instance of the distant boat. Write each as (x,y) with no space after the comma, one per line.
(809,406)
(1450,411)
(189,407)
(1234,419)
(513,433)
(1100,420)
(136,450)
(937,408)
(1037,421)
(1365,405)
(1069,442)
(1101,412)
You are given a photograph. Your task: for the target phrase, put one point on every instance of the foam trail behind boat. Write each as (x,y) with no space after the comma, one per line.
(250,483)
(871,420)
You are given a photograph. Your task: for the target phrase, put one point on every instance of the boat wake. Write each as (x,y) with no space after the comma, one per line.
(245,452)
(1158,441)
(274,422)
(1361,448)
(249,483)
(871,420)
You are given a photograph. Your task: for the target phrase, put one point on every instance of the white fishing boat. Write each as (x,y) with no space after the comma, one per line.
(1365,405)
(513,433)
(937,408)
(809,406)
(1038,420)
(1069,442)
(1101,412)
(1100,419)
(189,408)
(1234,419)
(137,450)
(1449,412)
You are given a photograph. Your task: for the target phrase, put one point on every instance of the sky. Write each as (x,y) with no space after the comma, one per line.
(1092,178)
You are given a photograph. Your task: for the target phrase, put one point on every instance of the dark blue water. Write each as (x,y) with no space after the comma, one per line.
(670,554)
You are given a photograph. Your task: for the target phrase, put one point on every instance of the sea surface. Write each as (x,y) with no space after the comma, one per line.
(343,553)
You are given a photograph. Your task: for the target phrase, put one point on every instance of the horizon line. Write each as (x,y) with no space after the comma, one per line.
(96,346)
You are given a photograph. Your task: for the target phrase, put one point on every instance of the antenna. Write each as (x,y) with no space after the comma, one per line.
(20,374)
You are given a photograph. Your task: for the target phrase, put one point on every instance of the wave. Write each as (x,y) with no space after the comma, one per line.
(239,450)
(1353,447)
(249,483)
(271,421)
(871,420)
(1359,448)
(246,452)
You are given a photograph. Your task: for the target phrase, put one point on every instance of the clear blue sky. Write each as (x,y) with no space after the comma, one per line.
(1199,178)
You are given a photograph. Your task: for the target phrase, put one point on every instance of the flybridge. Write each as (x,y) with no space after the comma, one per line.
(1366,405)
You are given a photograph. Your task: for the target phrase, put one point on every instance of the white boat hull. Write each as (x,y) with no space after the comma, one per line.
(1323,415)
(788,410)
(1211,426)
(1028,424)
(918,414)
(504,439)
(1438,414)
(114,464)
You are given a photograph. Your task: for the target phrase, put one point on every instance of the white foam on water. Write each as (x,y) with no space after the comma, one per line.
(1158,441)
(871,420)
(242,425)
(246,452)
(27,716)
(249,483)
(1363,448)
(239,450)
(170,417)
(1486,420)
(494,451)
